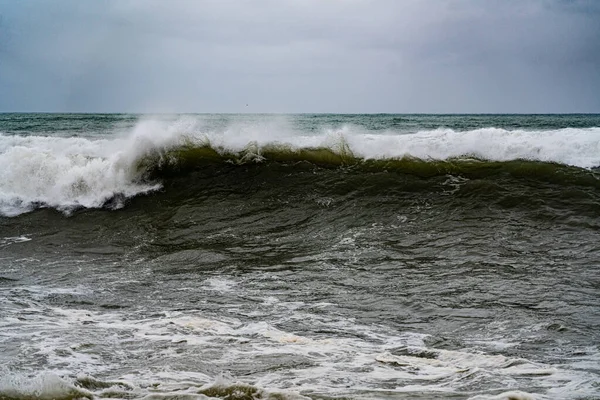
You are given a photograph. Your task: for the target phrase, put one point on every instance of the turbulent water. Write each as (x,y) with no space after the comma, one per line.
(302,256)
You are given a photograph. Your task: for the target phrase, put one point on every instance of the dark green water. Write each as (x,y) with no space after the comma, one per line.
(307,256)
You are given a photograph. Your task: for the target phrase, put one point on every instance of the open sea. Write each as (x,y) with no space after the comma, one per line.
(188,257)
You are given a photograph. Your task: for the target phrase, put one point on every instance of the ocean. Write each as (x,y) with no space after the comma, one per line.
(312,256)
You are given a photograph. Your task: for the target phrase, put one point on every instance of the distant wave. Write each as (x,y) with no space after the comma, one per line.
(74,172)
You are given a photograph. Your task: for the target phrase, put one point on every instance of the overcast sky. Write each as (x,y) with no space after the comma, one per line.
(395,56)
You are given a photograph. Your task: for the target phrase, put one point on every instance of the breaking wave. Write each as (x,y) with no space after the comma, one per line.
(77,172)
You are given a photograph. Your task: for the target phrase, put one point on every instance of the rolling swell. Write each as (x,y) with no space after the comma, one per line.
(285,177)
(176,163)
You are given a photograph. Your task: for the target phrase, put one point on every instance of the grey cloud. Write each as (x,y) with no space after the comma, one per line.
(300,56)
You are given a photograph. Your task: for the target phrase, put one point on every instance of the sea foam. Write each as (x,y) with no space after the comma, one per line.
(67,173)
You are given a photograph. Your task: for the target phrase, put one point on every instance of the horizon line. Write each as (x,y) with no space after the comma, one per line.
(292,113)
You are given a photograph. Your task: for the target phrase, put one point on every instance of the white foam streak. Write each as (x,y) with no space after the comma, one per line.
(575,147)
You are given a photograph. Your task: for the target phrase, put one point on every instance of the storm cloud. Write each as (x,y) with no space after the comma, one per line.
(395,56)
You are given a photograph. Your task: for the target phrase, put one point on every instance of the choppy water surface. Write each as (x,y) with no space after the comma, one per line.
(310,256)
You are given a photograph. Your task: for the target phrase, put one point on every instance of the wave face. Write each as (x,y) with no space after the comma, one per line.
(98,170)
